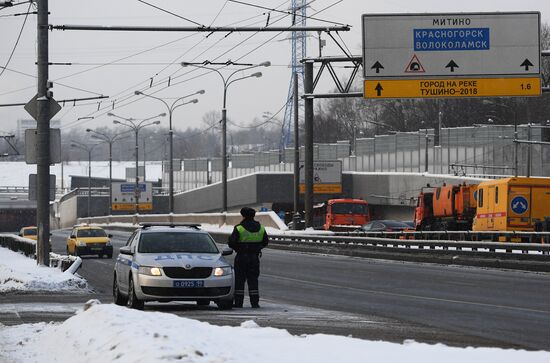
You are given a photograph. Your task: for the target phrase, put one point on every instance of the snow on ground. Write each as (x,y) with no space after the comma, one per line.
(110,333)
(16,173)
(21,274)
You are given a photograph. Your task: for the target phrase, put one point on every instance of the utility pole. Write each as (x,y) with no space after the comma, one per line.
(308,162)
(296,215)
(43,138)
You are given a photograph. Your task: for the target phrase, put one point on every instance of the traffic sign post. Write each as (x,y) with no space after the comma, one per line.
(451,55)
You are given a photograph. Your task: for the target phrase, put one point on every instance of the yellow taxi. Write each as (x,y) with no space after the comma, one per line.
(89,240)
(30,232)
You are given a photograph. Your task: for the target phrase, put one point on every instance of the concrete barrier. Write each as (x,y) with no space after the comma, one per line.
(267,219)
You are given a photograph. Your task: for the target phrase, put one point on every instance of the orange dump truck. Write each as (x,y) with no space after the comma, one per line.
(446,208)
(341,214)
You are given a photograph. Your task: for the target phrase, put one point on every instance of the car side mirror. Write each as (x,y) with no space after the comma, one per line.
(126,250)
(72,236)
(227,251)
(110,235)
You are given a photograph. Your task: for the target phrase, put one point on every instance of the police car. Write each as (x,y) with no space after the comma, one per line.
(166,262)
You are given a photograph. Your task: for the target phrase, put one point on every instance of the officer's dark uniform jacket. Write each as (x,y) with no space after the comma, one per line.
(248,239)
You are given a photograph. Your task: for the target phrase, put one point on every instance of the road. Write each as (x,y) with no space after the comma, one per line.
(374,299)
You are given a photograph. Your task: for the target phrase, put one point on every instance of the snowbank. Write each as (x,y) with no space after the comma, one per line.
(109,333)
(22,274)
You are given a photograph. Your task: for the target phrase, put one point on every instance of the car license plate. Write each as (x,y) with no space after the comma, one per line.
(97,248)
(188,284)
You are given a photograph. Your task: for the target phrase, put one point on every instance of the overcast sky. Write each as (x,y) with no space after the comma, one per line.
(118,63)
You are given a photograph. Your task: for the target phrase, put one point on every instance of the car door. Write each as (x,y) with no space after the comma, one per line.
(124,263)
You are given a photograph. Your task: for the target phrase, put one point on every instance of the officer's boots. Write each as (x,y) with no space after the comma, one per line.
(255,301)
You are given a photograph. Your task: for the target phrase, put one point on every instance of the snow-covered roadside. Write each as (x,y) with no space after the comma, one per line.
(214,228)
(21,274)
(109,333)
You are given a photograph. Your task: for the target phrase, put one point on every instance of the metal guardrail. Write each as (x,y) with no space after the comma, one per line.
(105,191)
(445,245)
(28,248)
(527,250)
(488,236)
(65,263)
(521,256)
(18,244)
(14,189)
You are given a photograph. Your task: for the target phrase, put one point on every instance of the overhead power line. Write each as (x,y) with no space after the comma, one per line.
(171,13)
(286,12)
(202,29)
(165,82)
(17,41)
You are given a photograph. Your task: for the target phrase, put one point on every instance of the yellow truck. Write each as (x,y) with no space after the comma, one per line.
(513,204)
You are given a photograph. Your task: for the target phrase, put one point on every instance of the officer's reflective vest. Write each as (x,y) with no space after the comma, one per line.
(247,236)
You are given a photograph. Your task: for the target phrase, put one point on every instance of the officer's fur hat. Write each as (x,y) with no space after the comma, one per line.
(248,212)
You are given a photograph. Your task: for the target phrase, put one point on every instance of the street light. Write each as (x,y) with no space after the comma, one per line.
(171,109)
(108,139)
(134,125)
(487,102)
(227,81)
(88,148)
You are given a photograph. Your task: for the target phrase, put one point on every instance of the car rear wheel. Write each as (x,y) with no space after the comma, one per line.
(133,301)
(117,295)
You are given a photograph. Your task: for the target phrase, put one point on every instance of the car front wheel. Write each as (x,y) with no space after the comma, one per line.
(133,301)
(225,304)
(117,295)
(203,302)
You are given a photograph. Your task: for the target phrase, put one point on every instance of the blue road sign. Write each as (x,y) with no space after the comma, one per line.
(130,187)
(519,204)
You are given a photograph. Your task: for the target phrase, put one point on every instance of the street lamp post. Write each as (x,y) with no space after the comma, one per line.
(88,149)
(136,125)
(171,109)
(227,81)
(108,139)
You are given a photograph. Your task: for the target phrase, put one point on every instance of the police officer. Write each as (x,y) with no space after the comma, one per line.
(248,239)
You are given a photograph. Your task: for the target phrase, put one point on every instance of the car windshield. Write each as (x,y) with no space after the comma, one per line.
(168,242)
(395,224)
(349,208)
(91,233)
(29,232)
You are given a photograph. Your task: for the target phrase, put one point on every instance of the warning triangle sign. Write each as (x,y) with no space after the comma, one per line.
(415,66)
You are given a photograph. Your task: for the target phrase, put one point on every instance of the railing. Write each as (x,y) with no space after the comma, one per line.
(18,244)
(104,191)
(14,189)
(28,248)
(419,244)
(520,256)
(500,236)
